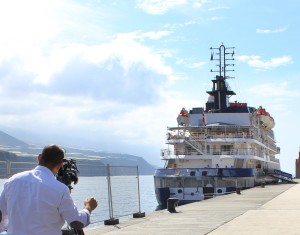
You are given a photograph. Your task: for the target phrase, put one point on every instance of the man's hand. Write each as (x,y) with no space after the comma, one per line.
(90,204)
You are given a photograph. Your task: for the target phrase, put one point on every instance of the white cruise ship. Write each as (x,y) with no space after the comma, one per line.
(224,147)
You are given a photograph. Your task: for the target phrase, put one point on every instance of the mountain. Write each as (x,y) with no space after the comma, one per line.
(7,140)
(88,161)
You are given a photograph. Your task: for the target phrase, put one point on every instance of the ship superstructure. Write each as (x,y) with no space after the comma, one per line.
(218,148)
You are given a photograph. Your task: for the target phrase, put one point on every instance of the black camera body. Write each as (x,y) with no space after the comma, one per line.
(67,174)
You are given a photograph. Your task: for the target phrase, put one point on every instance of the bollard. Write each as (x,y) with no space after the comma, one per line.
(238,190)
(171,204)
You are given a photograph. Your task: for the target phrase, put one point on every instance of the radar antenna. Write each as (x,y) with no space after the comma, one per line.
(221,90)
(221,54)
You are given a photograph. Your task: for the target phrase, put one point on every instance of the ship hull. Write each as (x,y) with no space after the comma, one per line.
(197,184)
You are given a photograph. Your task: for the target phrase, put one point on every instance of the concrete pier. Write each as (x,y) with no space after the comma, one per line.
(273,209)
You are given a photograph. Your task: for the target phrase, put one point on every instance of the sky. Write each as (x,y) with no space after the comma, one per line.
(111,75)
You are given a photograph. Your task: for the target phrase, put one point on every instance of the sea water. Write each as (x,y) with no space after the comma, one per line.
(119,199)
(128,195)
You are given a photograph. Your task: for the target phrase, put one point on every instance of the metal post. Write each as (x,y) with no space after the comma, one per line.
(138,184)
(215,187)
(111,220)
(110,204)
(8,169)
(138,214)
(238,190)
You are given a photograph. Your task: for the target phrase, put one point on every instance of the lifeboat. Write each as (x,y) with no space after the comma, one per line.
(238,104)
(265,118)
(183,117)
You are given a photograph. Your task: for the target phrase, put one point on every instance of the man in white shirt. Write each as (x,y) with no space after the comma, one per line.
(35,203)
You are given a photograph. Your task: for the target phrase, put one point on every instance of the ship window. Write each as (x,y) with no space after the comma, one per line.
(188,149)
(208,148)
(226,148)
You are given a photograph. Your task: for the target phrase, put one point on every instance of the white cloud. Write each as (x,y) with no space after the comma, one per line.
(30,28)
(102,93)
(199,3)
(153,35)
(20,21)
(86,90)
(216,18)
(277,96)
(258,63)
(156,35)
(196,65)
(268,31)
(218,8)
(125,65)
(190,62)
(274,90)
(187,23)
(36,37)
(159,7)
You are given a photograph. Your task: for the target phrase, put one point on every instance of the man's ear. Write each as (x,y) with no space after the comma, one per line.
(39,157)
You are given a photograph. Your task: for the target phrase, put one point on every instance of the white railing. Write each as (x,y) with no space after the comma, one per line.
(205,134)
(195,145)
(167,153)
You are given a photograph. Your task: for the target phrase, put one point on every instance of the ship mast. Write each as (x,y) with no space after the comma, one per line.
(220,91)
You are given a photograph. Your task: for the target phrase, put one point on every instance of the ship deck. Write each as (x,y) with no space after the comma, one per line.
(273,209)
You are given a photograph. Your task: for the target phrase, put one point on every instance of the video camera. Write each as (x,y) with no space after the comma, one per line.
(68,173)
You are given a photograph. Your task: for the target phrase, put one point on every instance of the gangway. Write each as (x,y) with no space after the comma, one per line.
(284,176)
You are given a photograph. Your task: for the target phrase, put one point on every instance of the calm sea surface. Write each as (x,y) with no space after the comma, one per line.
(124,194)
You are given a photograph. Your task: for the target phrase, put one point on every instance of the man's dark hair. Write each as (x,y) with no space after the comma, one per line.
(52,155)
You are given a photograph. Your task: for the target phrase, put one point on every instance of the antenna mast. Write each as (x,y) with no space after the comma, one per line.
(221,91)
(222,52)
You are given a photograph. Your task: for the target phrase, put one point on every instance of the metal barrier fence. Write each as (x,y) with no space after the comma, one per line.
(117,189)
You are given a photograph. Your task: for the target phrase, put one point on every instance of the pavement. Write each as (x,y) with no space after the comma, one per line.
(273,209)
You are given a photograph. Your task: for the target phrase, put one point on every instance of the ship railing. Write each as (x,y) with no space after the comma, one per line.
(209,134)
(247,151)
(112,186)
(195,145)
(222,132)
(204,134)
(170,154)
(167,153)
(176,137)
(272,147)
(214,135)
(270,133)
(273,159)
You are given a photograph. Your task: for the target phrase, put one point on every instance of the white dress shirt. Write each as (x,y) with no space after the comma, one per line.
(35,203)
